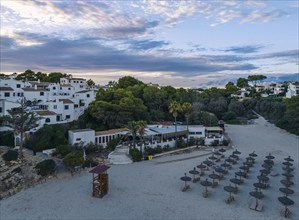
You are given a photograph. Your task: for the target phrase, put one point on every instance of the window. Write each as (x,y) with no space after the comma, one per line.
(54,88)
(69,88)
(76,105)
(78,139)
(66,107)
(14,94)
(0,109)
(6,94)
(48,120)
(67,116)
(87,95)
(191,132)
(18,85)
(100,140)
(199,132)
(55,106)
(41,93)
(106,138)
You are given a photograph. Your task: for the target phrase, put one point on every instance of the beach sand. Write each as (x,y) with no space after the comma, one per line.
(152,189)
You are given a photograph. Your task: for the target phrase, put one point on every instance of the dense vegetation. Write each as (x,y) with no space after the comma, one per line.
(45,167)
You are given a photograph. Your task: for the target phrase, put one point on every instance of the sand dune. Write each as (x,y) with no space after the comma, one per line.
(152,189)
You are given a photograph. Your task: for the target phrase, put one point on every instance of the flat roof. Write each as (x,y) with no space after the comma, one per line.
(81,130)
(111,131)
(214,129)
(66,101)
(6,88)
(99,169)
(41,113)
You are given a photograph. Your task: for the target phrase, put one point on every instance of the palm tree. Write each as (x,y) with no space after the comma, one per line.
(186,110)
(141,130)
(133,127)
(174,109)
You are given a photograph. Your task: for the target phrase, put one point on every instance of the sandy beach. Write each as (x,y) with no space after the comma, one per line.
(152,189)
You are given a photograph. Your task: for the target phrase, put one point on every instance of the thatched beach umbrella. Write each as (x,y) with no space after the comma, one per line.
(289,159)
(267,166)
(270,157)
(245,168)
(268,161)
(186,179)
(253,154)
(236,152)
(201,166)
(230,189)
(265,171)
(206,183)
(286,202)
(194,172)
(288,169)
(288,175)
(241,174)
(286,182)
(286,191)
(260,185)
(213,157)
(214,176)
(263,178)
(236,182)
(257,195)
(287,163)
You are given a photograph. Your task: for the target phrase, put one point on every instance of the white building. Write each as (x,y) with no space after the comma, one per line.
(293,89)
(196,131)
(7,105)
(103,137)
(81,136)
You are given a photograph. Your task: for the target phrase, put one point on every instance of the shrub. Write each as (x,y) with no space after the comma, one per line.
(215,143)
(74,158)
(166,147)
(150,151)
(225,142)
(111,145)
(229,115)
(159,149)
(135,154)
(10,155)
(180,143)
(45,167)
(90,163)
(191,141)
(63,150)
(17,170)
(7,138)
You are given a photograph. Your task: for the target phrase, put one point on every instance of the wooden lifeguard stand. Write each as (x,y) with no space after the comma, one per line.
(100,181)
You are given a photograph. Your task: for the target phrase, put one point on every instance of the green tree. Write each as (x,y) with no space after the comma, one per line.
(242,83)
(174,109)
(127,81)
(236,107)
(231,88)
(256,78)
(90,82)
(21,121)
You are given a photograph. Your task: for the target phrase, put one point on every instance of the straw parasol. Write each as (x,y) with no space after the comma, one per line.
(286,191)
(186,179)
(230,189)
(206,183)
(286,202)
(289,159)
(194,172)
(287,182)
(201,167)
(253,154)
(270,157)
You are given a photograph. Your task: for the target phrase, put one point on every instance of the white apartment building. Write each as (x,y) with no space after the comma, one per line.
(67,99)
(293,89)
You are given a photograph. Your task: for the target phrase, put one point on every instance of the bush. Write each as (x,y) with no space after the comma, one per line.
(229,115)
(135,154)
(63,150)
(45,167)
(17,170)
(159,149)
(7,138)
(191,141)
(150,151)
(225,142)
(111,145)
(90,163)
(166,147)
(74,158)
(180,143)
(10,155)
(215,143)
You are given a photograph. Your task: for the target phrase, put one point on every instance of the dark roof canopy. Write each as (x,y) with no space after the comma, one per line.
(99,169)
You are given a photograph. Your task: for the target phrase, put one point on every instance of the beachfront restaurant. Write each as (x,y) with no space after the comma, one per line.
(213,134)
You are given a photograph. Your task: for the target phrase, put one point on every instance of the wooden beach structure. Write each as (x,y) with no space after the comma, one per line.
(100,182)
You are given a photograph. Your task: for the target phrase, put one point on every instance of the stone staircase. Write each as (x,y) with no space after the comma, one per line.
(120,155)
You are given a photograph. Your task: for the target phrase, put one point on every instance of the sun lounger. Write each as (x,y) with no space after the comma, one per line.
(230,199)
(215,184)
(186,188)
(259,206)
(196,180)
(253,205)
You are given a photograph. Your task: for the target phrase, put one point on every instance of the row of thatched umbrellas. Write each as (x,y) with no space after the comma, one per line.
(285,200)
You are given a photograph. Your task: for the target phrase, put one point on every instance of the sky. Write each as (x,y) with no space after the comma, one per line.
(188,43)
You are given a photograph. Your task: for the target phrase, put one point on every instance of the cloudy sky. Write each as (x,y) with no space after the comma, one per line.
(181,43)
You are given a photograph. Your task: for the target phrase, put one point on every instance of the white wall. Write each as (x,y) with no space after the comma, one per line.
(83,136)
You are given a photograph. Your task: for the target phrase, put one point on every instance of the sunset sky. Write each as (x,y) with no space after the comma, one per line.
(180,43)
